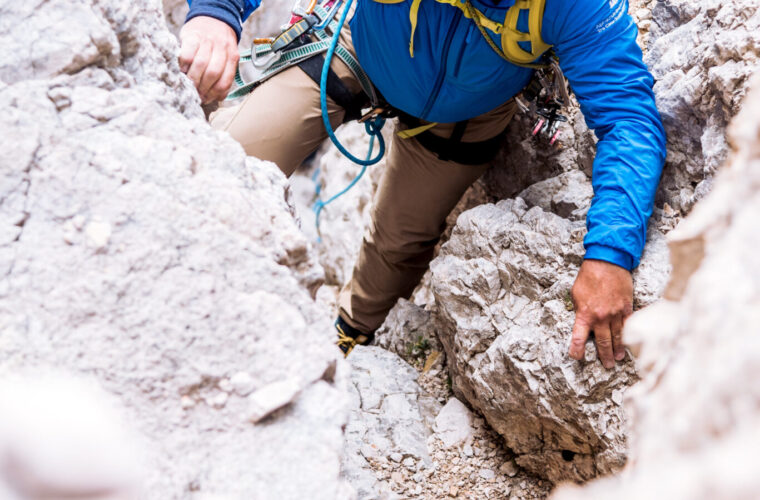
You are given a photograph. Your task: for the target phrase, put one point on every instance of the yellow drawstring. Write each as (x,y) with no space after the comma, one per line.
(413,12)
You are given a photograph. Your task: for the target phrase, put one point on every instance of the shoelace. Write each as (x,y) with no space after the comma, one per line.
(345,342)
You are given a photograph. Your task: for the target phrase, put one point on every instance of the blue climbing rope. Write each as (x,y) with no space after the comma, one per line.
(319,204)
(373,127)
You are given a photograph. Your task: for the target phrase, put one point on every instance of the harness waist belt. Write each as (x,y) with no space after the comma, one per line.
(452,148)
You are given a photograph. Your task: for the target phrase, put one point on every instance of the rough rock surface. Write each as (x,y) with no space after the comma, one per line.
(141,248)
(453,425)
(477,468)
(266,21)
(391,418)
(696,417)
(701,55)
(525,160)
(408,331)
(567,195)
(501,285)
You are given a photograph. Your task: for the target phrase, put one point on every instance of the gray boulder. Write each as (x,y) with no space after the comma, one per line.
(391,418)
(144,250)
(503,313)
(696,420)
(701,55)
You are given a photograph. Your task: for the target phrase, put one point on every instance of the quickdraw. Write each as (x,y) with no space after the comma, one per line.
(544,98)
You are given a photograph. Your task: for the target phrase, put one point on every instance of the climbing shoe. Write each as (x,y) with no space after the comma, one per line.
(349,337)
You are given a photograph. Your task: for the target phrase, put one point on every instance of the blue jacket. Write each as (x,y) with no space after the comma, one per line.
(455,75)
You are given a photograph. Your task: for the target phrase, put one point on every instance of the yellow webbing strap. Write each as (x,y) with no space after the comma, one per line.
(475,15)
(510,36)
(411,132)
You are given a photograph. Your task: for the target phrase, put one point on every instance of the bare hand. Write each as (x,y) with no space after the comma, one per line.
(209,56)
(603,298)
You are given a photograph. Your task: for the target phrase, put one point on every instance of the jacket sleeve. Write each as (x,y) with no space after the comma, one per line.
(232,12)
(595,41)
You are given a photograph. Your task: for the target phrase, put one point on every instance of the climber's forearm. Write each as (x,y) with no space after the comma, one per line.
(626,173)
(601,59)
(231,12)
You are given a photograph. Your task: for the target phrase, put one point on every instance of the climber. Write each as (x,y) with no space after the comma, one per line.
(451,69)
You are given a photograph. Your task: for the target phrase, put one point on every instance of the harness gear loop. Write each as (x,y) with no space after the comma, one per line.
(263,61)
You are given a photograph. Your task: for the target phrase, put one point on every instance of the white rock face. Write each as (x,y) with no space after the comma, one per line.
(525,160)
(64,437)
(407,325)
(391,418)
(142,248)
(453,425)
(567,195)
(696,416)
(501,285)
(701,55)
(500,292)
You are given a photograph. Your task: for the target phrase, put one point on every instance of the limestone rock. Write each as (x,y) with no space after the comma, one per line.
(271,398)
(144,249)
(525,160)
(567,195)
(696,420)
(64,437)
(501,285)
(390,417)
(453,425)
(701,55)
(408,331)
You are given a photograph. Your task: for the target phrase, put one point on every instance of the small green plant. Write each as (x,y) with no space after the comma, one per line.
(418,350)
(568,300)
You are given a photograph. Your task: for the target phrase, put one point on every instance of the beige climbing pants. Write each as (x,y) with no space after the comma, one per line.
(281,121)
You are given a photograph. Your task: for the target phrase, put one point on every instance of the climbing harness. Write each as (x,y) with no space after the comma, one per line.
(452,148)
(310,41)
(267,56)
(296,46)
